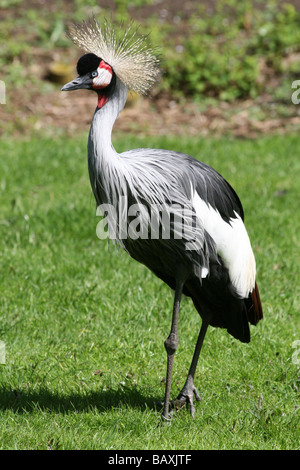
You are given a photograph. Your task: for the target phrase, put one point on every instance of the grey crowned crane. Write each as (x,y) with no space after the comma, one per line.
(212,261)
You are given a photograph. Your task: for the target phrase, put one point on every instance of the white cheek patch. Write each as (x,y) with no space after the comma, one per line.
(104,76)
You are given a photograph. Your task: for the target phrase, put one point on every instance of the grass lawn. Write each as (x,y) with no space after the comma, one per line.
(84,325)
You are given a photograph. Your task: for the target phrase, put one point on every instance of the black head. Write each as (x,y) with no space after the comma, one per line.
(88,63)
(93,74)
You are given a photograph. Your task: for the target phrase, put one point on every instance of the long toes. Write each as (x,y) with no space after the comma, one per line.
(180,402)
(192,410)
(189,404)
(185,398)
(196,393)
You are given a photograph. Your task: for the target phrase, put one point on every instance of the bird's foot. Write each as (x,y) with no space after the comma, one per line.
(186,397)
(165,420)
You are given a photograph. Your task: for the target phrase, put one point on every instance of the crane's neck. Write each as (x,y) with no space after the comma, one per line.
(105,164)
(103,121)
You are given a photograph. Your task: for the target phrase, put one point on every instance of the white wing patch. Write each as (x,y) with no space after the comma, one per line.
(233,245)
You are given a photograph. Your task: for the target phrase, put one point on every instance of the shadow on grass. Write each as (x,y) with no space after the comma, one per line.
(28,401)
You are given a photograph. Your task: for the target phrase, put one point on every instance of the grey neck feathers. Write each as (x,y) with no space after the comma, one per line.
(104,119)
(107,174)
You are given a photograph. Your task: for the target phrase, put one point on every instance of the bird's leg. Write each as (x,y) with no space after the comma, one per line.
(171,344)
(189,389)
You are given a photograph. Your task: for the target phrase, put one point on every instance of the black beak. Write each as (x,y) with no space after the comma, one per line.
(81,82)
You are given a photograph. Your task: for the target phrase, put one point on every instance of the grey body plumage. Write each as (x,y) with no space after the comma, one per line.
(218,271)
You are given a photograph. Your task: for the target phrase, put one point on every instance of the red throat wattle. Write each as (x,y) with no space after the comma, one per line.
(102,100)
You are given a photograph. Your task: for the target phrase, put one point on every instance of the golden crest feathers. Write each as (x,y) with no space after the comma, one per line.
(131,57)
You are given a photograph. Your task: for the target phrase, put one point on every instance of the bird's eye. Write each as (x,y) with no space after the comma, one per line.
(94,74)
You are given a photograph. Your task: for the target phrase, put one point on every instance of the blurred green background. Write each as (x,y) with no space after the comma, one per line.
(228,66)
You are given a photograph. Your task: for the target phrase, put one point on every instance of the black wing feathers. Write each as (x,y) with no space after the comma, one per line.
(215,190)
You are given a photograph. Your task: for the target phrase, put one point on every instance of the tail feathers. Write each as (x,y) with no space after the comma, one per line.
(221,308)
(254,308)
(237,321)
(251,312)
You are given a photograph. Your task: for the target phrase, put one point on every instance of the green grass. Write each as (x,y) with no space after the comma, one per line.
(84,325)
